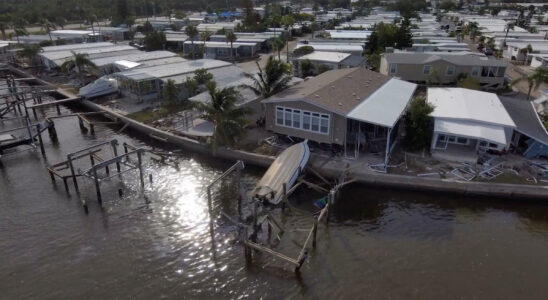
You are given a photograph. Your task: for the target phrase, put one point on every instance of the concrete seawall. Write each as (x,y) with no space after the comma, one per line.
(482,189)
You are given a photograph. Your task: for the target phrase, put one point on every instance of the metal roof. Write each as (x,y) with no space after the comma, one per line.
(332,57)
(469,105)
(172,70)
(68,53)
(385,106)
(468,129)
(333,47)
(76,46)
(139,56)
(457,58)
(526,118)
(349,34)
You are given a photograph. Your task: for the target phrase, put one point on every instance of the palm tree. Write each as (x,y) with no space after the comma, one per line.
(228,120)
(19,28)
(278,45)
(472,29)
(526,51)
(509,26)
(29,52)
(192,33)
(61,22)
(204,37)
(534,80)
(92,18)
(47,26)
(314,27)
(4,25)
(275,78)
(288,22)
(80,61)
(231,38)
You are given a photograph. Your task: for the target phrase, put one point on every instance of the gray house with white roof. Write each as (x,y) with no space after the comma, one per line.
(353,108)
(435,68)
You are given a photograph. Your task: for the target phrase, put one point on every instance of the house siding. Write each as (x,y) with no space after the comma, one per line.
(337,123)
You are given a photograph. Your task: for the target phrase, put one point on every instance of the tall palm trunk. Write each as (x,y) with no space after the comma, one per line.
(231,52)
(287,46)
(49,33)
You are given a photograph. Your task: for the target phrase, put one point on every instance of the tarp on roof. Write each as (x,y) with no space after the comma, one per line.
(488,132)
(385,106)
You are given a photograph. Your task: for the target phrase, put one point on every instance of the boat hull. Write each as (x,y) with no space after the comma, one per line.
(285,169)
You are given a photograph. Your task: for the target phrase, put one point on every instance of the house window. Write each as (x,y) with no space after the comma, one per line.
(279,116)
(296,118)
(305,120)
(450,70)
(492,71)
(476,71)
(426,70)
(393,68)
(315,122)
(287,117)
(324,124)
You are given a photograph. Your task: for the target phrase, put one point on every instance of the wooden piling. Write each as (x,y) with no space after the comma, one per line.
(40,139)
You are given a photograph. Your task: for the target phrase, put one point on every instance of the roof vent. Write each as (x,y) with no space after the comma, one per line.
(353,94)
(332,86)
(358,98)
(317,96)
(340,103)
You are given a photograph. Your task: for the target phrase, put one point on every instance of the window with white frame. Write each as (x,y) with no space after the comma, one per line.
(450,70)
(304,120)
(476,71)
(426,70)
(393,68)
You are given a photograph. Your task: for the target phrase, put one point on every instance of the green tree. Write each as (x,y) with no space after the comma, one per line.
(204,37)
(47,26)
(509,26)
(273,79)
(534,80)
(154,40)
(288,22)
(307,68)
(313,28)
(79,61)
(403,35)
(29,52)
(304,50)
(419,124)
(192,33)
(170,93)
(229,121)
(5,21)
(231,38)
(202,76)
(92,18)
(61,21)
(19,29)
(191,86)
(278,45)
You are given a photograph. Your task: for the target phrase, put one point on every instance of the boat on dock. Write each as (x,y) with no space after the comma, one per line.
(285,169)
(103,86)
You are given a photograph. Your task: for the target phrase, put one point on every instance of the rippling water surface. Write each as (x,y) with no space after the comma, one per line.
(380,244)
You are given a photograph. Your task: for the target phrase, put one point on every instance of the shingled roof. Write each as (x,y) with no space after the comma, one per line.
(339,91)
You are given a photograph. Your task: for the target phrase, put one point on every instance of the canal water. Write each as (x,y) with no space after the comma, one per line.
(380,244)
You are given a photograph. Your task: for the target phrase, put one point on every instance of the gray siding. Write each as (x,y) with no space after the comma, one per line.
(337,123)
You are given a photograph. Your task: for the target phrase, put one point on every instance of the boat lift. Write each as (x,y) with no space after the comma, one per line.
(99,168)
(248,233)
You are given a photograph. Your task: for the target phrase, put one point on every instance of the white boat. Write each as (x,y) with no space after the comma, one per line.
(285,169)
(100,87)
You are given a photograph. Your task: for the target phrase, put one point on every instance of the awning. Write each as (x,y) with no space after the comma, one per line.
(487,132)
(385,106)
